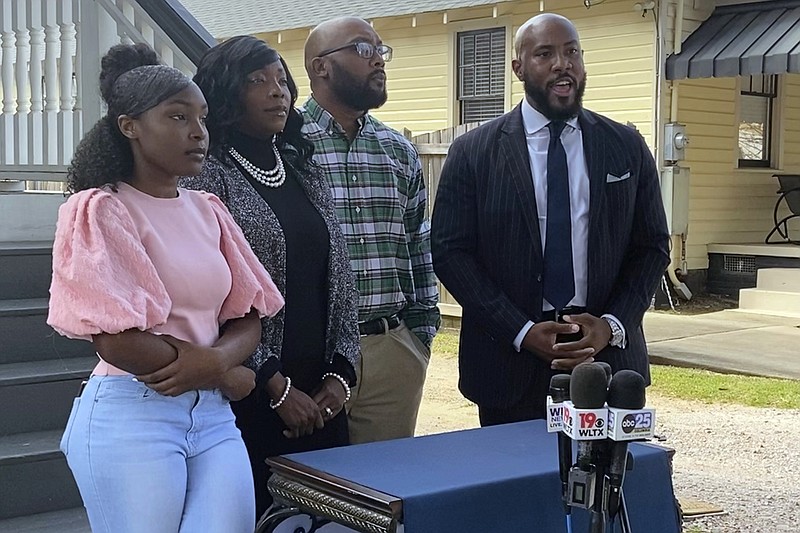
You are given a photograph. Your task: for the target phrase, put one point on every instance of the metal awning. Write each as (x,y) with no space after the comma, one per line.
(742,40)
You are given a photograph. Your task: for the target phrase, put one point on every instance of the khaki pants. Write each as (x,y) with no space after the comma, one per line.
(385,401)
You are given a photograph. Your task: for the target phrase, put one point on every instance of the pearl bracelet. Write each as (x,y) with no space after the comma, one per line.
(342,381)
(275,405)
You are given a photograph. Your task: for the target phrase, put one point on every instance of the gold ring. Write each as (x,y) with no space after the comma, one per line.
(328,412)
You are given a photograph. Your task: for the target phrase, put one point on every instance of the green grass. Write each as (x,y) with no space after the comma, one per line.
(689,383)
(445,344)
(710,387)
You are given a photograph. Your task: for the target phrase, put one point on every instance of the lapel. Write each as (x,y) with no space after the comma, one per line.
(593,151)
(515,149)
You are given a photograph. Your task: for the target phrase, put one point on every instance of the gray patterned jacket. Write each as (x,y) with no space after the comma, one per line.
(264,233)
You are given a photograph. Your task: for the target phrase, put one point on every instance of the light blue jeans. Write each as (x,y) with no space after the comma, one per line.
(147,463)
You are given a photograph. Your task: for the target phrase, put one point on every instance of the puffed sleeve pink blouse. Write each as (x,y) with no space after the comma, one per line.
(124,259)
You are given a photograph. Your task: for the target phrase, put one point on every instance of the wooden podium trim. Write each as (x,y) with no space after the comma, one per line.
(338,499)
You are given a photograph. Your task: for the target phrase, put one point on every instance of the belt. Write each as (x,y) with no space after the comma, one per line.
(379,325)
(571,310)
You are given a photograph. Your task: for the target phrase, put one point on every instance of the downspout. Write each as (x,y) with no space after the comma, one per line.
(659,60)
(677,253)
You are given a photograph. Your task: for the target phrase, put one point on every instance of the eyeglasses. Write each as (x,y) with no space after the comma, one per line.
(365,50)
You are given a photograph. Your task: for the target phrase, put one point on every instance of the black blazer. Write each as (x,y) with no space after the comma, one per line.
(487,249)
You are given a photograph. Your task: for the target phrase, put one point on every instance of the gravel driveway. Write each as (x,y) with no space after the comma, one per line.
(743,459)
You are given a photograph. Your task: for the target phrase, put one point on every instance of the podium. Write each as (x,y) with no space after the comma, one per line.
(499,478)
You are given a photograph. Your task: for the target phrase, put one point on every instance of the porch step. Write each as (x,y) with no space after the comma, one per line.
(26,269)
(782,303)
(34,477)
(779,279)
(27,337)
(29,216)
(67,521)
(8,185)
(37,395)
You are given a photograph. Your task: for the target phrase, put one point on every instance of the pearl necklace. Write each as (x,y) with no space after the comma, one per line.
(271,178)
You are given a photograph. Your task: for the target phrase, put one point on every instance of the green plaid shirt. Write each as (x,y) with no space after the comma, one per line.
(380,199)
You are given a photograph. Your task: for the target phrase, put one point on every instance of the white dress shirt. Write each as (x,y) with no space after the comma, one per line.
(537,137)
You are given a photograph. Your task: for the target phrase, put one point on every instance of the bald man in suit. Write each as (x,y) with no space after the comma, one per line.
(549,230)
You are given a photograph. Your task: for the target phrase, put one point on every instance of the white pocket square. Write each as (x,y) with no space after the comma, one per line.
(611,178)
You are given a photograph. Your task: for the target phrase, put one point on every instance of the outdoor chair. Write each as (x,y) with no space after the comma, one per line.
(790,193)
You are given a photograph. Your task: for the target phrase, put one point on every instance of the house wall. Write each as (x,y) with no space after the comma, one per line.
(728,204)
(618,42)
(791,123)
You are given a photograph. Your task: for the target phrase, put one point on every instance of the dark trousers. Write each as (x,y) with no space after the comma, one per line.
(262,431)
(530,407)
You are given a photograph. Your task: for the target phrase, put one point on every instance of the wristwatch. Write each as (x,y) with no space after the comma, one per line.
(617,335)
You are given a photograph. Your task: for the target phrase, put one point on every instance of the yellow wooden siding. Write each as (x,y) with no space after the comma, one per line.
(695,12)
(619,56)
(417,75)
(791,124)
(727,204)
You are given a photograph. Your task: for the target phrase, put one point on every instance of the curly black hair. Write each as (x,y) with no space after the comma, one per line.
(222,74)
(104,155)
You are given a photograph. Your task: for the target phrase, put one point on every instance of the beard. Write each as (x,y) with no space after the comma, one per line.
(357,94)
(541,97)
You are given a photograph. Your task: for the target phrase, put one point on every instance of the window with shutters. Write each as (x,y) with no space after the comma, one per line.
(757,100)
(481,74)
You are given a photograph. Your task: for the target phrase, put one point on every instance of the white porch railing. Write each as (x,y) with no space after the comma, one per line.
(51,52)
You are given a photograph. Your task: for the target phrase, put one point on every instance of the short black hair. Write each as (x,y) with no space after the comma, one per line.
(222,74)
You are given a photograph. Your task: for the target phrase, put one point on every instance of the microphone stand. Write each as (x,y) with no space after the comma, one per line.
(598,515)
(597,522)
(624,521)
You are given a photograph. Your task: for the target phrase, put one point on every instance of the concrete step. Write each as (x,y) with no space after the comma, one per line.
(25,335)
(37,395)
(29,216)
(66,521)
(26,269)
(779,279)
(780,303)
(34,477)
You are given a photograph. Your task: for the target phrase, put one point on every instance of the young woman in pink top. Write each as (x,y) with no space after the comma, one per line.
(163,283)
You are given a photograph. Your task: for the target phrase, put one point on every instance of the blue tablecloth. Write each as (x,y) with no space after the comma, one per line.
(494,479)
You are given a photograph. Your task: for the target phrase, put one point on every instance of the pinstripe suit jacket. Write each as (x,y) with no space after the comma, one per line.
(487,249)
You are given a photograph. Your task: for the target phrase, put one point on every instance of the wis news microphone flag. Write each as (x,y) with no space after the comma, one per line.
(559,393)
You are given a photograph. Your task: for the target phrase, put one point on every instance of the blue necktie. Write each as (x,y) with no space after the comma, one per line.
(559,279)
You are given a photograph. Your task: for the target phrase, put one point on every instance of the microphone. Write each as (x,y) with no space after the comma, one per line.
(600,458)
(606,368)
(600,450)
(584,421)
(626,392)
(559,393)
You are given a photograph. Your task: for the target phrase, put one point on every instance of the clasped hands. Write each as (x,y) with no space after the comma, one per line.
(199,367)
(303,414)
(541,339)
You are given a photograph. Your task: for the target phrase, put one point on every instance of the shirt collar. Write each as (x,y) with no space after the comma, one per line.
(321,116)
(533,120)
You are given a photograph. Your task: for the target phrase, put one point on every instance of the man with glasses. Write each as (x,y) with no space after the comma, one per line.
(376,180)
